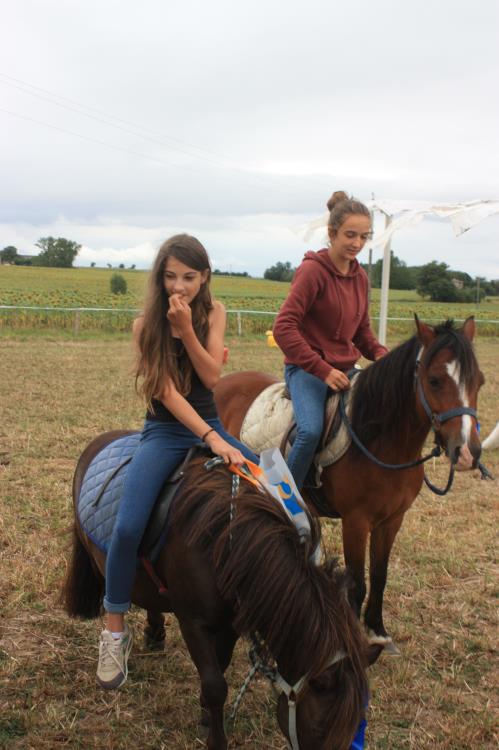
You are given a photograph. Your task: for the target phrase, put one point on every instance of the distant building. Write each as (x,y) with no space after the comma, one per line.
(458,283)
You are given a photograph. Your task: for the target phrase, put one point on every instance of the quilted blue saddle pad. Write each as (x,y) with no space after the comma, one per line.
(101,489)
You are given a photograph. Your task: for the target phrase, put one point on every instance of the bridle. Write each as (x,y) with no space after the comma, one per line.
(260,659)
(292,693)
(436,420)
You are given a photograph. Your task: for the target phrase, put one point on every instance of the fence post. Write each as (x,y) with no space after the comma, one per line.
(239,326)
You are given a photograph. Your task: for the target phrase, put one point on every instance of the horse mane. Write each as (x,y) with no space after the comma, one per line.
(264,571)
(384,394)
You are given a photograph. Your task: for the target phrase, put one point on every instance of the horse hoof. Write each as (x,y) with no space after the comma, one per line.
(375,639)
(392,649)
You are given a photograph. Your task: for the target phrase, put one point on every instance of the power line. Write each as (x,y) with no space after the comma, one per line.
(96,140)
(159,139)
(153,136)
(108,120)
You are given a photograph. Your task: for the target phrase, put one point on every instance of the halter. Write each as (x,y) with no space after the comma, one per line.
(436,421)
(260,664)
(438,418)
(292,693)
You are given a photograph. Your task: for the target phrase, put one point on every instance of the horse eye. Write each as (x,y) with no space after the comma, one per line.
(434,382)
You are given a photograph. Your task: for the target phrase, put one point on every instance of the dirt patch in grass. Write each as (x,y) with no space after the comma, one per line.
(440,605)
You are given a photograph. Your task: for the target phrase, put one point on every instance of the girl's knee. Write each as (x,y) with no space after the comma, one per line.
(127,535)
(310,434)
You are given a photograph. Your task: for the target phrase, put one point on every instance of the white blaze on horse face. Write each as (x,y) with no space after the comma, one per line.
(454,372)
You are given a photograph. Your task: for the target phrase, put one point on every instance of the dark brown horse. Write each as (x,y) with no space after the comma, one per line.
(235,565)
(396,402)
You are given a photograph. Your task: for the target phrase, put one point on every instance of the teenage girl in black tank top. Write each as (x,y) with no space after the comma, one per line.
(179,340)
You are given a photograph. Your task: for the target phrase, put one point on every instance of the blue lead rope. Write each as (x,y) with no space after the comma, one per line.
(359,739)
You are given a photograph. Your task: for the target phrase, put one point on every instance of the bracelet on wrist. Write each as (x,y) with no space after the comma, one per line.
(203,438)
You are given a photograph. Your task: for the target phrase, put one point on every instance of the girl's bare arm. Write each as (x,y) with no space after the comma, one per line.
(188,416)
(207,361)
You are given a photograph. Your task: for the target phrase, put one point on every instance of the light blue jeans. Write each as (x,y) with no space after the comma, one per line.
(308,394)
(162,446)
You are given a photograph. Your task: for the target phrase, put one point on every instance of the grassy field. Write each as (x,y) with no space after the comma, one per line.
(56,396)
(89,287)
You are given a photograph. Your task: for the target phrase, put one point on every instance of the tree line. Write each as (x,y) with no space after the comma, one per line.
(435,280)
(54,252)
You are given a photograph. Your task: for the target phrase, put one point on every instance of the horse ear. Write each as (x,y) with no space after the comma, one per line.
(426,333)
(469,328)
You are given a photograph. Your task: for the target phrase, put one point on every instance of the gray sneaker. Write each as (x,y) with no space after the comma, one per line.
(112,669)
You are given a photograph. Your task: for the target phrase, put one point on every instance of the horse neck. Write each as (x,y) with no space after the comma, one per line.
(313,628)
(265,572)
(408,443)
(385,413)
(299,609)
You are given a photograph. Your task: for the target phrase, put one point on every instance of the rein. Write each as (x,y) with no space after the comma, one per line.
(436,421)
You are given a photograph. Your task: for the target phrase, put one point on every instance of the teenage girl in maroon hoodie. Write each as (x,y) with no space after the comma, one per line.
(323,326)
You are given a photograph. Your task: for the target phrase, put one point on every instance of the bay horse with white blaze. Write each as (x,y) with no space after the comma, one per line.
(234,564)
(429,382)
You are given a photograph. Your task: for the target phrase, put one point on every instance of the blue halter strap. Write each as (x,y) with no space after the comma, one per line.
(437,419)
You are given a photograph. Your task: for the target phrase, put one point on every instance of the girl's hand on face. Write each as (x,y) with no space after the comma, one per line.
(337,380)
(222,448)
(179,314)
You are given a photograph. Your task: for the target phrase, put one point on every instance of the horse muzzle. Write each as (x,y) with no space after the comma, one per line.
(464,456)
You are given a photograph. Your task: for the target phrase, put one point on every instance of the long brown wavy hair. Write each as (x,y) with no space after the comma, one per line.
(158,357)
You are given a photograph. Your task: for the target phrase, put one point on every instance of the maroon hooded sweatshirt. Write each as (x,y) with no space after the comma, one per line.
(324,321)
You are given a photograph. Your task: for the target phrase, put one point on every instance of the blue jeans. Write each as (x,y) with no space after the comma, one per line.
(308,394)
(162,446)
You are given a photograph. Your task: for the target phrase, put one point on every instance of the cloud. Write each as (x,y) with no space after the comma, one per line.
(254,242)
(119,127)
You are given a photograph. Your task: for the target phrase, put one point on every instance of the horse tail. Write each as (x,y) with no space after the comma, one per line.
(84,586)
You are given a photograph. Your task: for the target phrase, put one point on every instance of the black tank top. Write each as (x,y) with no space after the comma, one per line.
(199,397)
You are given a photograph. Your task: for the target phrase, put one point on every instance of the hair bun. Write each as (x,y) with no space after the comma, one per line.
(336,198)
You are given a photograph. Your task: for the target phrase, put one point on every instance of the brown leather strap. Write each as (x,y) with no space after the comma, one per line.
(148,567)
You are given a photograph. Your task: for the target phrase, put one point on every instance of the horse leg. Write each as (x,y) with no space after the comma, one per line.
(155,632)
(201,643)
(382,538)
(355,533)
(224,645)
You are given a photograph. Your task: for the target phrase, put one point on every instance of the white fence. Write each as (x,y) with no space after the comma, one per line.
(240,314)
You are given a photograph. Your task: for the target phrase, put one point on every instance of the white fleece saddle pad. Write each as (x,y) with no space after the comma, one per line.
(271,414)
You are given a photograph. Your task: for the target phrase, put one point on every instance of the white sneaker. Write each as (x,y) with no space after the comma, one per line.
(112,669)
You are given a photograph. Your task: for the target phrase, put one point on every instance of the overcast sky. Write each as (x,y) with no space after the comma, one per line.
(122,123)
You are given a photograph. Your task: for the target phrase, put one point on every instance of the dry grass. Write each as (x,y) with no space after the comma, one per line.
(56,395)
